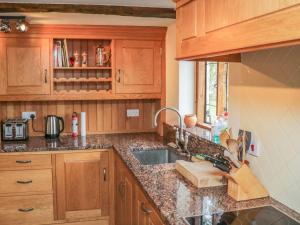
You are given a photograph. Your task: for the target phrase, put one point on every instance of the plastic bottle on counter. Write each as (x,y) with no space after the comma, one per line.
(220,125)
(74,124)
(216,131)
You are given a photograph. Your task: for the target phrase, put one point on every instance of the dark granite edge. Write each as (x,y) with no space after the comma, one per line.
(285,209)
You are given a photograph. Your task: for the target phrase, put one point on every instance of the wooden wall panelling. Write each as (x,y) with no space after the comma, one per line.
(113,65)
(92,114)
(102,116)
(107,116)
(3,68)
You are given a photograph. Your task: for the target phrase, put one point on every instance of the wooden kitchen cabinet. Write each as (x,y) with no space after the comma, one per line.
(145,214)
(132,206)
(124,194)
(25,66)
(26,189)
(138,66)
(190,20)
(82,185)
(213,28)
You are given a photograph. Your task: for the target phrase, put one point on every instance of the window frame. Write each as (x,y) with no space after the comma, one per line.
(200,98)
(205,90)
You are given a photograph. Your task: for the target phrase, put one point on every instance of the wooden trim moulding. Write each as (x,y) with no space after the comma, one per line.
(63,97)
(89,9)
(91,32)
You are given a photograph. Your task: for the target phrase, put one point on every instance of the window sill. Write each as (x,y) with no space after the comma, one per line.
(204,126)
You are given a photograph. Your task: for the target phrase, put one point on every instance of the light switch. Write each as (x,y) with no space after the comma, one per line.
(133,112)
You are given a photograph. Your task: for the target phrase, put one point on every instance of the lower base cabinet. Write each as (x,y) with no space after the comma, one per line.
(132,206)
(82,186)
(26,210)
(144,212)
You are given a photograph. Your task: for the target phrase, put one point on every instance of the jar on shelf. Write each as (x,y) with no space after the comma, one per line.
(102,55)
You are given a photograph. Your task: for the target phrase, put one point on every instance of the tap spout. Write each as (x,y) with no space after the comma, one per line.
(179,116)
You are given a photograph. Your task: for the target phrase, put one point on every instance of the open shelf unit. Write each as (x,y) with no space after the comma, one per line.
(82,80)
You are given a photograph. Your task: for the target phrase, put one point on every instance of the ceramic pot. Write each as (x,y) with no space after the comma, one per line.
(190,120)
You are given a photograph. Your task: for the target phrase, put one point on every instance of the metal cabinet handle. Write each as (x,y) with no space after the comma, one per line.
(24,181)
(23,161)
(122,189)
(104,174)
(45,75)
(119,76)
(26,210)
(144,209)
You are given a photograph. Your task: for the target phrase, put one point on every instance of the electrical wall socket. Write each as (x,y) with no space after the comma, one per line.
(255,146)
(26,115)
(133,112)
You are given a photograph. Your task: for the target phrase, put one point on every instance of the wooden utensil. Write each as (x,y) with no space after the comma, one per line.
(233,146)
(224,136)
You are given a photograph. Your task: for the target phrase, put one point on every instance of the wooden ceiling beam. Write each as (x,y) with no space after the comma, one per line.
(89,9)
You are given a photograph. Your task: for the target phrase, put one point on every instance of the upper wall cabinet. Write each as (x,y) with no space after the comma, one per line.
(138,66)
(24,67)
(69,62)
(212,28)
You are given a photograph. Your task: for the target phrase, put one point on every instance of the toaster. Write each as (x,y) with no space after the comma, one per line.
(14,130)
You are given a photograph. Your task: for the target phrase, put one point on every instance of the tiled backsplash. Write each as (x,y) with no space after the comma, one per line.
(264,98)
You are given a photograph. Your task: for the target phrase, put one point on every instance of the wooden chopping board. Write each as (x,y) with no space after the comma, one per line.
(201,174)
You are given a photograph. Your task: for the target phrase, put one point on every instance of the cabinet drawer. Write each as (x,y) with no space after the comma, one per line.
(26,181)
(26,210)
(24,161)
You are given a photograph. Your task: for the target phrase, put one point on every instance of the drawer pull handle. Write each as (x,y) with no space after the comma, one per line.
(104,174)
(24,181)
(23,161)
(26,210)
(144,209)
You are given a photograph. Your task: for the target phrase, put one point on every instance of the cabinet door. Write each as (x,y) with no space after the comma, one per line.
(124,196)
(144,212)
(142,209)
(190,21)
(82,185)
(138,66)
(26,66)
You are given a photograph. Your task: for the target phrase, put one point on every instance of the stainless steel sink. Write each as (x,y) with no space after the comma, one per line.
(153,156)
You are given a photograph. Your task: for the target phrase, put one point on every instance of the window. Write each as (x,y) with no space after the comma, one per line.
(211,90)
(211,84)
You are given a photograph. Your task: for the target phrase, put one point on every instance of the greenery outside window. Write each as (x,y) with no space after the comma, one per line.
(211,90)
(211,85)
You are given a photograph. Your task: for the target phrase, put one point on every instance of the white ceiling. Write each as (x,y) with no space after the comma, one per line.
(145,3)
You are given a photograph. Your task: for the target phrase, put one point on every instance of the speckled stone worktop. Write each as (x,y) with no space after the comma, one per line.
(174,197)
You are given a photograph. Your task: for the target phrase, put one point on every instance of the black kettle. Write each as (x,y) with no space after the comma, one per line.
(54,125)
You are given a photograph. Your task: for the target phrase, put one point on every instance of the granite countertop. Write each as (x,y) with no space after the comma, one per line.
(174,197)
